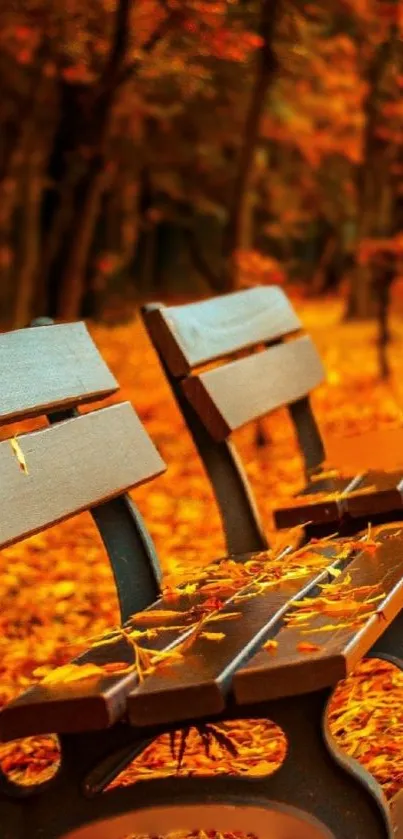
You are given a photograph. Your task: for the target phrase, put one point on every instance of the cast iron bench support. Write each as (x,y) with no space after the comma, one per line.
(325,793)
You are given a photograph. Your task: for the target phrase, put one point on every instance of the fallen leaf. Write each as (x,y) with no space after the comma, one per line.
(306,647)
(19,454)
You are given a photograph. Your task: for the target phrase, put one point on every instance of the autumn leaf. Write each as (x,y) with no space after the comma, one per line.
(15,445)
(121,667)
(306,647)
(72,673)
(154,617)
(271,645)
(213,636)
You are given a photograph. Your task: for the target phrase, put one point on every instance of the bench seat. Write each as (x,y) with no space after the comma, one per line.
(223,658)
(336,502)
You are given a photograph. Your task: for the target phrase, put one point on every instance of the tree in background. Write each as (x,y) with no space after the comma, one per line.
(220,142)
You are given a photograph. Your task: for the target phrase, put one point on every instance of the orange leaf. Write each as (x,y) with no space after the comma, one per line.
(154,617)
(306,647)
(271,645)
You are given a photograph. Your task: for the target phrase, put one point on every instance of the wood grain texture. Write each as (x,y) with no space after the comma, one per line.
(72,466)
(230,396)
(50,367)
(199,684)
(193,334)
(290,672)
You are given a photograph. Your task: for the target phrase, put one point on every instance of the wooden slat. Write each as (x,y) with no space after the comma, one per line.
(50,367)
(95,703)
(194,334)
(364,496)
(71,466)
(89,704)
(385,496)
(227,397)
(199,684)
(321,511)
(289,671)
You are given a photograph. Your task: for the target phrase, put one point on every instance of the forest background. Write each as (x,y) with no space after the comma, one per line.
(189,147)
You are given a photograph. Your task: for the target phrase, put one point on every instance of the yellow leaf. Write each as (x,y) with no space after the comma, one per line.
(19,454)
(63,588)
(213,636)
(271,645)
(72,673)
(333,572)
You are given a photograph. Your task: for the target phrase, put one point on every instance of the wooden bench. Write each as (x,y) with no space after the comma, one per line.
(200,659)
(279,367)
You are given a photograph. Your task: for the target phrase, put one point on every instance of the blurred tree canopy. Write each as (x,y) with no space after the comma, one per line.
(196,145)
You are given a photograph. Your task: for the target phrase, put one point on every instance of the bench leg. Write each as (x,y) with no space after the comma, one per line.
(320,779)
(316,794)
(390,644)
(223,804)
(46,810)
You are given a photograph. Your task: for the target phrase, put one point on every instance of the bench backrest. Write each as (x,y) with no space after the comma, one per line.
(81,461)
(281,369)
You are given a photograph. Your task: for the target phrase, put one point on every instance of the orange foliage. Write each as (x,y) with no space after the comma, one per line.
(57,589)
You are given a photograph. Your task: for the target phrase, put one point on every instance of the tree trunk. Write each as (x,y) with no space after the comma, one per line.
(266,67)
(369,184)
(72,288)
(225,280)
(29,247)
(96,118)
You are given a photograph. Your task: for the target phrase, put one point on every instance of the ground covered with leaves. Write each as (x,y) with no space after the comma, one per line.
(57,589)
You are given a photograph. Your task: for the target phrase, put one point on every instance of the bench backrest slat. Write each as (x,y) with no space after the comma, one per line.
(230,396)
(215,402)
(50,367)
(72,466)
(196,333)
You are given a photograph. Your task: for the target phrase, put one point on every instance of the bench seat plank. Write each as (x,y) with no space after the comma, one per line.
(386,496)
(198,685)
(50,367)
(90,704)
(71,466)
(363,496)
(305,507)
(293,369)
(290,671)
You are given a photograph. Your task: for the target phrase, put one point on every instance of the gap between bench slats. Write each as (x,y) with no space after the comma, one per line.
(230,396)
(72,466)
(50,367)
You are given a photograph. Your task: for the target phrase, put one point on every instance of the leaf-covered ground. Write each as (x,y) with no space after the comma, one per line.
(56,590)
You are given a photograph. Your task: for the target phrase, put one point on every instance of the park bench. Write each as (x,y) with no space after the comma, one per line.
(277,366)
(180,676)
